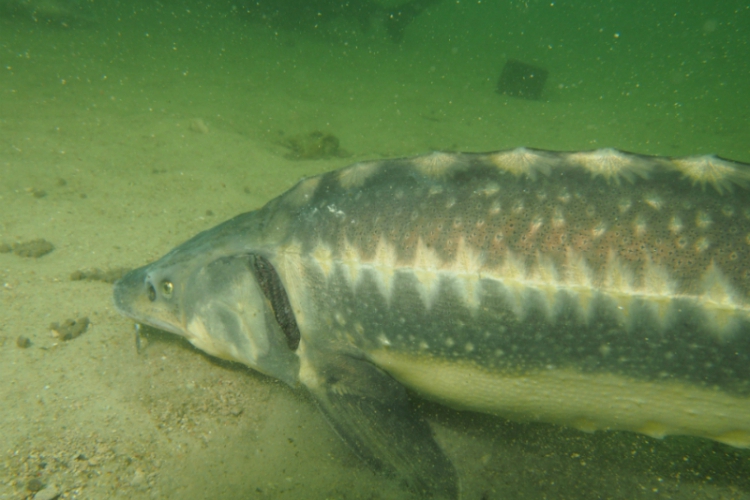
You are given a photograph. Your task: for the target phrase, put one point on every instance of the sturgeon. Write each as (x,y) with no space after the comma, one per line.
(596,289)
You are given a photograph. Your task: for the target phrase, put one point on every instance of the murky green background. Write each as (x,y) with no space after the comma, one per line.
(126,127)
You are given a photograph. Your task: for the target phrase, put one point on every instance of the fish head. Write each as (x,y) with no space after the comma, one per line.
(218,305)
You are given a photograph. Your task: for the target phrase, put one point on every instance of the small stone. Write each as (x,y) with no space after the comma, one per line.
(35,484)
(34,248)
(23,343)
(313,146)
(199,126)
(70,328)
(96,274)
(48,493)
(139,479)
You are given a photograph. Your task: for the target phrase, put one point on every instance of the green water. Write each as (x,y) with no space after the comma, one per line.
(144,122)
(668,78)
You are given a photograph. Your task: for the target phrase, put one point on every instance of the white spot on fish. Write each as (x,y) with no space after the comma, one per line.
(488,190)
(624,205)
(340,318)
(335,211)
(653,201)
(709,169)
(435,189)
(702,245)
(599,230)
(639,225)
(522,161)
(495,207)
(438,163)
(611,164)
(703,220)
(675,225)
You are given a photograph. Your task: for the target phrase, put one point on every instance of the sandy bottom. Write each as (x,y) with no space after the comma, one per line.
(121,137)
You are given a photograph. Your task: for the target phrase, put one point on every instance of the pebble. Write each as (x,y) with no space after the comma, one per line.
(198,125)
(70,328)
(48,493)
(96,274)
(34,248)
(35,484)
(139,479)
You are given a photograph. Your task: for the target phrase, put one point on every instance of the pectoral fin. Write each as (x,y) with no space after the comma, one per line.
(372,414)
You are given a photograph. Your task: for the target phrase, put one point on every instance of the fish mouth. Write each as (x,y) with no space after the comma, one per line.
(157,323)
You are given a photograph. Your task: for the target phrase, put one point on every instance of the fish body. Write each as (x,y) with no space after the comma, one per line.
(597,289)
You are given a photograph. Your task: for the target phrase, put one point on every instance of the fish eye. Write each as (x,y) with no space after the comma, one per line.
(166,288)
(151,292)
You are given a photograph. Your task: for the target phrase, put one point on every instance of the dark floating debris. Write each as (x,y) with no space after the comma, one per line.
(96,274)
(519,79)
(70,328)
(34,248)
